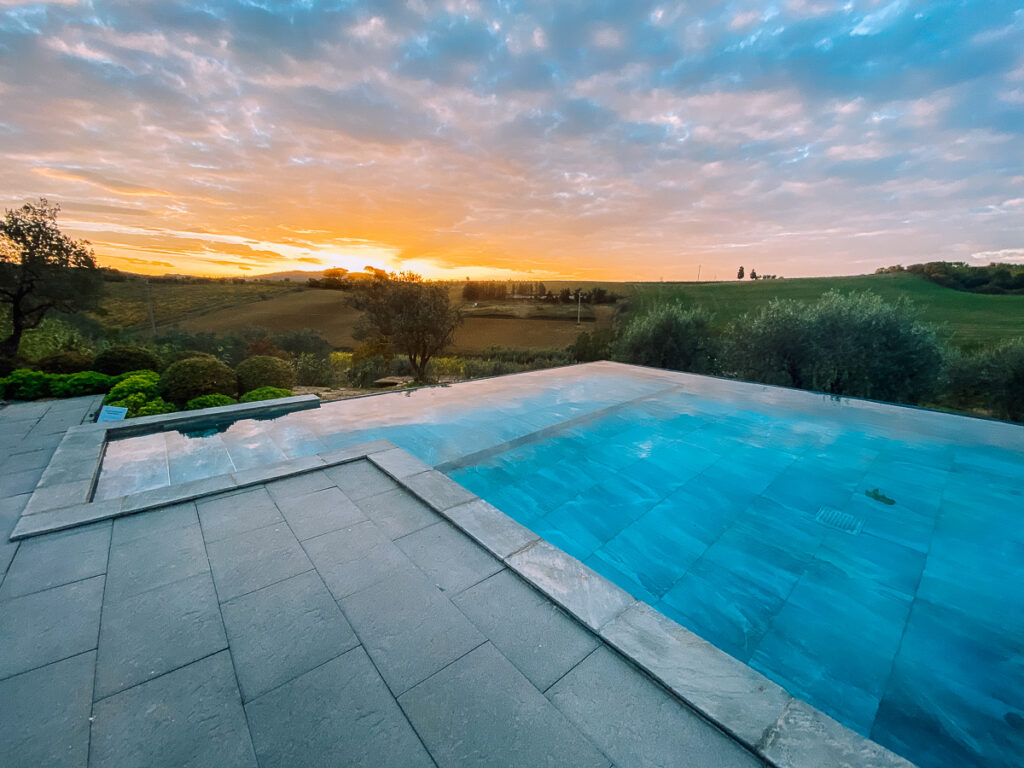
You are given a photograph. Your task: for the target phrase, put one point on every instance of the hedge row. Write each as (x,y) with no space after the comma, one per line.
(197,382)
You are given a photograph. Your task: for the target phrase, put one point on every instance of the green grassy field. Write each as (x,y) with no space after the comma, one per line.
(968,320)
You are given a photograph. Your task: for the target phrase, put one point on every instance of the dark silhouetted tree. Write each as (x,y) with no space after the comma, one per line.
(42,270)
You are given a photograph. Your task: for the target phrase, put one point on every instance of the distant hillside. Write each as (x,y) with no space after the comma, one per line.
(295,276)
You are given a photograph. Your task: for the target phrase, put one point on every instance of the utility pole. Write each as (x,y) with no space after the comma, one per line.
(579,305)
(698,273)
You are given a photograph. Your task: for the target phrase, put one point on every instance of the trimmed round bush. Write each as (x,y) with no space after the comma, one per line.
(209,401)
(80,384)
(68,361)
(122,359)
(194,377)
(264,371)
(140,405)
(24,384)
(189,354)
(145,383)
(265,393)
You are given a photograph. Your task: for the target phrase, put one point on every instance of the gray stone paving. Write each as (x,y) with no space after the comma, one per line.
(326,619)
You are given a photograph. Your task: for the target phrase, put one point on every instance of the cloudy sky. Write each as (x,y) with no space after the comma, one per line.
(618,140)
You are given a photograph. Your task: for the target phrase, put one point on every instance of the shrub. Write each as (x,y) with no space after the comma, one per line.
(145,383)
(1006,379)
(139,405)
(340,360)
(264,346)
(122,359)
(304,342)
(177,355)
(589,347)
(24,384)
(53,335)
(363,373)
(264,371)
(265,393)
(843,344)
(68,361)
(209,401)
(669,336)
(449,367)
(187,379)
(314,371)
(80,384)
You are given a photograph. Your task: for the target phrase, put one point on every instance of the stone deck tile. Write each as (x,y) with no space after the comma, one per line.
(155,561)
(637,723)
(319,512)
(219,514)
(354,558)
(450,558)
(60,558)
(283,631)
(340,714)
(156,522)
(300,485)
(34,459)
(480,711)
(256,559)
(409,628)
(359,479)
(189,718)
(45,627)
(23,481)
(44,715)
(529,630)
(397,512)
(149,634)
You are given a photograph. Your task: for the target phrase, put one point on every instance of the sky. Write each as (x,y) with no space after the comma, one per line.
(599,140)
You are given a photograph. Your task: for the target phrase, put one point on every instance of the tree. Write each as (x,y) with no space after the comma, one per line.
(42,270)
(753,274)
(843,344)
(669,336)
(740,273)
(413,317)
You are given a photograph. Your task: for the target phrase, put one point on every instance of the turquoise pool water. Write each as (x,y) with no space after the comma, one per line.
(866,557)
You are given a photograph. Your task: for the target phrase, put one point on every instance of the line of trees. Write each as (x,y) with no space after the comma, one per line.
(994,278)
(753,275)
(852,344)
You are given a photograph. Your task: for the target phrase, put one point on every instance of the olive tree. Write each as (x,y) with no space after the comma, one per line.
(843,344)
(670,336)
(411,316)
(42,270)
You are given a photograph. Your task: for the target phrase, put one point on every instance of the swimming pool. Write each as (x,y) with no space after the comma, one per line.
(867,557)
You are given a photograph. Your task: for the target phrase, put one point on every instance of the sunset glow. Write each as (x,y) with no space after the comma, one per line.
(623,140)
